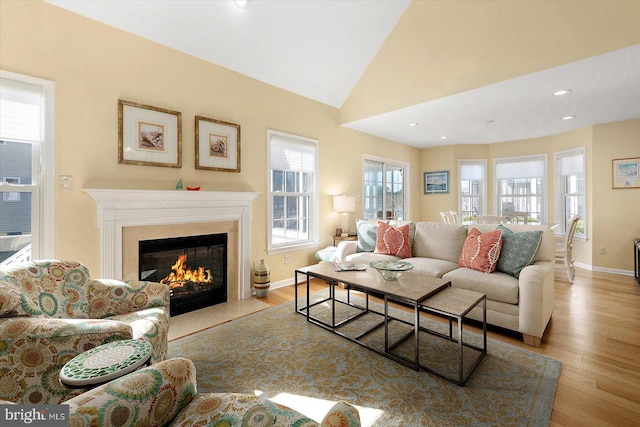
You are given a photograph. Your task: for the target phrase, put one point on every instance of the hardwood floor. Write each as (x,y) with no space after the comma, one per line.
(595,333)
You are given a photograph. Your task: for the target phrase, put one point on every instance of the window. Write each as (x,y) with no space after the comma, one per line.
(570,189)
(385,189)
(472,189)
(293,192)
(26,167)
(520,188)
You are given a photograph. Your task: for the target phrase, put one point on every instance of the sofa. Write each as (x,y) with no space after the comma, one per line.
(51,311)
(518,298)
(166,394)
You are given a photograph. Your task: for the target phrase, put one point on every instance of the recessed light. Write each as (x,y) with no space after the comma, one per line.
(413,124)
(561,92)
(568,117)
(443,137)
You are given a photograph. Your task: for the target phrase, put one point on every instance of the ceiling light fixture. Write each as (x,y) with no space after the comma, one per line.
(561,92)
(443,137)
(568,117)
(241,4)
(413,125)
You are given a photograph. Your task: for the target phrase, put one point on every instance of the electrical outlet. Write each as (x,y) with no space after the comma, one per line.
(286,259)
(602,250)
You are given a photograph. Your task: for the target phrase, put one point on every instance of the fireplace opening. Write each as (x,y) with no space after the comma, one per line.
(194,267)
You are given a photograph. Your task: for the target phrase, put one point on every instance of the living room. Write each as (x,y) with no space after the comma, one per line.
(94,65)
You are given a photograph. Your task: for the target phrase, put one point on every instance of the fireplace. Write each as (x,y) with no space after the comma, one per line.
(194,267)
(125,217)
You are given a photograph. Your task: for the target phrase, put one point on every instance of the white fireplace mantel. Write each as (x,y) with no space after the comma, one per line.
(126,208)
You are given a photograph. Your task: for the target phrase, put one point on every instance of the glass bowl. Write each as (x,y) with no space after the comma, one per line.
(391,270)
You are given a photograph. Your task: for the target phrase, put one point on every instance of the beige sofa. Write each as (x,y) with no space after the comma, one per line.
(521,304)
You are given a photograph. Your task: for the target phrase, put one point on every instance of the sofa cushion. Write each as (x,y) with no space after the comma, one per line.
(496,286)
(369,257)
(518,250)
(431,267)
(393,240)
(481,250)
(366,231)
(438,240)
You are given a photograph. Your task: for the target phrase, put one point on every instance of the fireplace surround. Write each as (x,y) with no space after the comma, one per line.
(124,217)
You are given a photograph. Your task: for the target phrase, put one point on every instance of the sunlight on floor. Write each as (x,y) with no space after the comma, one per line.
(317,408)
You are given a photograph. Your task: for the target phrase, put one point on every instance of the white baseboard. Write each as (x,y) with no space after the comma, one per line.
(605,270)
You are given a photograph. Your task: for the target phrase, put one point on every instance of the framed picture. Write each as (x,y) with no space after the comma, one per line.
(626,173)
(149,136)
(217,145)
(436,182)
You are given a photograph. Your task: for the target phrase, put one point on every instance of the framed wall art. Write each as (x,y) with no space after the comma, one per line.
(626,173)
(217,145)
(149,136)
(436,182)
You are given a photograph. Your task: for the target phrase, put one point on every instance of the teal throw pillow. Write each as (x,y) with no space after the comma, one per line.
(518,250)
(366,235)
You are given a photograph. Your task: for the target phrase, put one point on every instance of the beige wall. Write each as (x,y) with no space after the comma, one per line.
(94,65)
(453,46)
(613,216)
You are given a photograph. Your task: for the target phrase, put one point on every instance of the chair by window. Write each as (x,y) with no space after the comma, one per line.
(454,217)
(449,217)
(564,248)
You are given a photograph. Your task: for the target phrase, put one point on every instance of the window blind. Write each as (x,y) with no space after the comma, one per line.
(287,154)
(532,168)
(21,108)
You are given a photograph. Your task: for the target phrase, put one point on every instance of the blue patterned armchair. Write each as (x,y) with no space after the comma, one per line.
(51,311)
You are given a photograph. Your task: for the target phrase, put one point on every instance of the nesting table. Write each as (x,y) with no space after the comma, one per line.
(421,293)
(105,362)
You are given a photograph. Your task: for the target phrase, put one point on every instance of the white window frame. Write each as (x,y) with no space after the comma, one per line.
(312,240)
(559,192)
(43,189)
(544,180)
(483,187)
(405,184)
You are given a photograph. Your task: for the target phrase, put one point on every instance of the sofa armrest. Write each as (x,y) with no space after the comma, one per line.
(344,249)
(536,297)
(151,396)
(110,297)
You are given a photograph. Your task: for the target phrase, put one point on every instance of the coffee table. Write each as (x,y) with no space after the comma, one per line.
(105,363)
(412,289)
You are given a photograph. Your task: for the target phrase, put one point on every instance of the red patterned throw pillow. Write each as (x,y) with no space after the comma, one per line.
(393,241)
(481,250)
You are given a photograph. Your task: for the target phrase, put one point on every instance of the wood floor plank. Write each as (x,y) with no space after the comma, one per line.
(595,333)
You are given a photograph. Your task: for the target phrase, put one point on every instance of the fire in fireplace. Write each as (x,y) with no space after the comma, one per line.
(194,267)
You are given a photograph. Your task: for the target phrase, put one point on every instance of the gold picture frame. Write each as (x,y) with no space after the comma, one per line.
(149,136)
(626,173)
(217,145)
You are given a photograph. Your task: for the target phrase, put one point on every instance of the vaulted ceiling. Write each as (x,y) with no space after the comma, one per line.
(463,72)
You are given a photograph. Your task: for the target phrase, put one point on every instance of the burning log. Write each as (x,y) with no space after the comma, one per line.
(181,275)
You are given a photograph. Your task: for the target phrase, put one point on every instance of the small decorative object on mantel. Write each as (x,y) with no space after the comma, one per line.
(261,278)
(217,145)
(179,185)
(193,188)
(149,136)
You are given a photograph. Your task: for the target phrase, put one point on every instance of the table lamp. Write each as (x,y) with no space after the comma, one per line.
(344,204)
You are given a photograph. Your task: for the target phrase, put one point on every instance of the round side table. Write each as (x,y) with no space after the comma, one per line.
(105,363)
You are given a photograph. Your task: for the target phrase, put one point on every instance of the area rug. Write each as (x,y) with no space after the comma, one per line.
(278,354)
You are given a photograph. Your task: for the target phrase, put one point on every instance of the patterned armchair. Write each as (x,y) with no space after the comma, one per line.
(51,310)
(166,395)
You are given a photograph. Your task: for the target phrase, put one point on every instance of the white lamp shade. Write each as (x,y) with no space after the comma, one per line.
(344,203)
